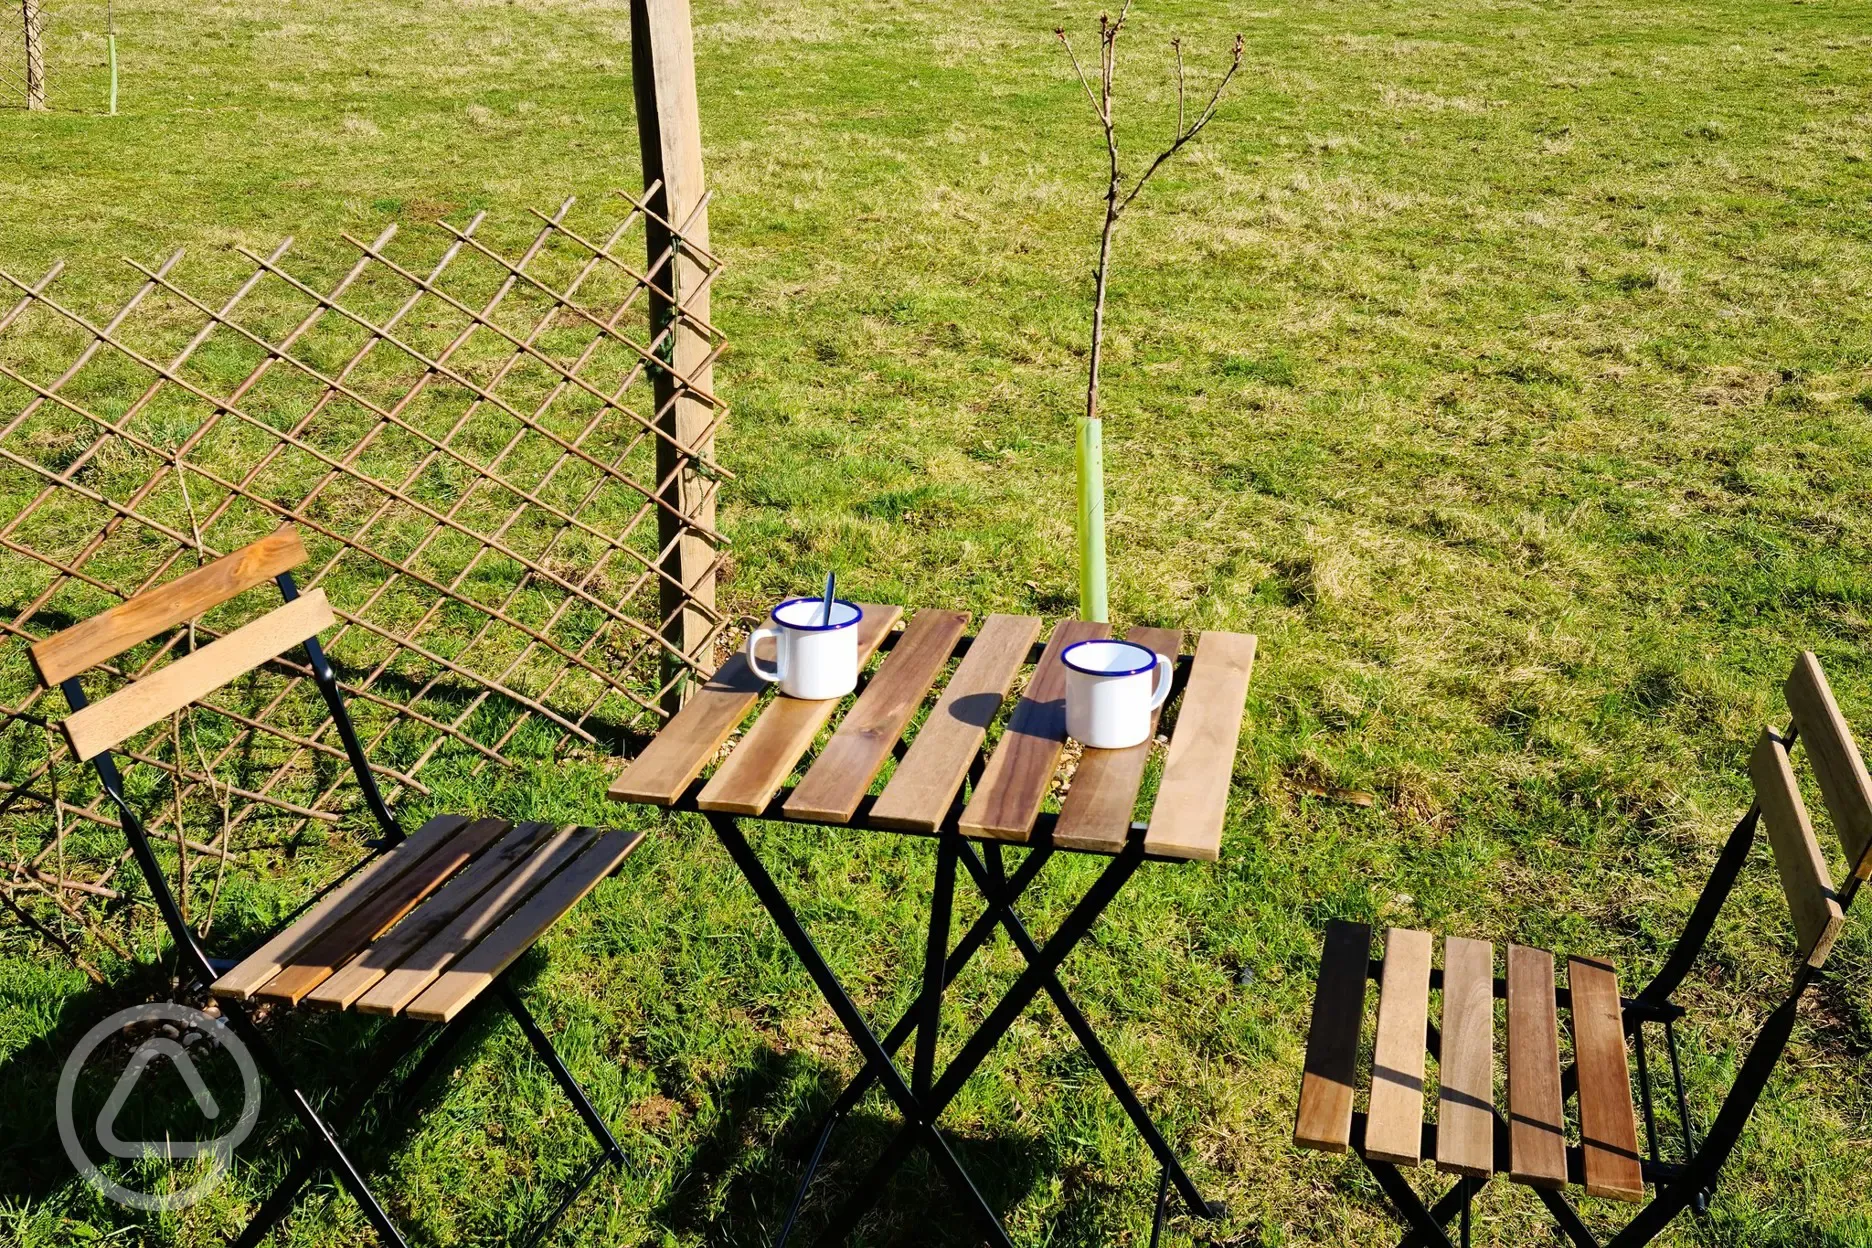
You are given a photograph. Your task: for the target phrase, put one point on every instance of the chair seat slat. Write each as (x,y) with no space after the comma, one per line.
(1186,819)
(1394,1127)
(924,786)
(479,967)
(1608,1124)
(265,962)
(387,952)
(350,935)
(1324,1120)
(1096,814)
(416,972)
(109,633)
(1466,1066)
(750,776)
(135,707)
(1536,1110)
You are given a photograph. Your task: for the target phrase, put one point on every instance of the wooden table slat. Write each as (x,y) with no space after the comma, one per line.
(1608,1124)
(1186,819)
(1020,771)
(750,776)
(842,774)
(930,775)
(677,755)
(1096,814)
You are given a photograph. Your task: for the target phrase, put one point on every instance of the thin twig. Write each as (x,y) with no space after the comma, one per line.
(1208,114)
(1176,46)
(6,895)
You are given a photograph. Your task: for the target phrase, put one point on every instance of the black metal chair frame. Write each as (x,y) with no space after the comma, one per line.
(1680,1185)
(925,1094)
(325,1150)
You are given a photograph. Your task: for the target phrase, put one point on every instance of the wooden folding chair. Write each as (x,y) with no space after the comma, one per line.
(1472,1137)
(420,931)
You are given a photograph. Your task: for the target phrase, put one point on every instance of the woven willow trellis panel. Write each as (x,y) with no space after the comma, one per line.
(467,446)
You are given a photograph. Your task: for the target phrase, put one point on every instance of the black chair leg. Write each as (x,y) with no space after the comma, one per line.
(323,1140)
(1162,1213)
(280,1202)
(1423,1224)
(570,1086)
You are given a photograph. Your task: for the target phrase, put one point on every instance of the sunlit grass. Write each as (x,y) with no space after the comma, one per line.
(1504,366)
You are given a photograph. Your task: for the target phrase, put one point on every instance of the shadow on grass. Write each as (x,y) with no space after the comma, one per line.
(326,1054)
(737,1188)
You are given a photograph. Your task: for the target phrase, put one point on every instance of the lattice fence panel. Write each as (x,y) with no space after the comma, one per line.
(467,442)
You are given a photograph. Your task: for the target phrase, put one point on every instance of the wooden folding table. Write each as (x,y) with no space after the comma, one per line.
(1001,805)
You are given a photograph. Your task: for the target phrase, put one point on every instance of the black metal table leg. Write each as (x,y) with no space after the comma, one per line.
(977,936)
(935,955)
(1095,1050)
(918,1115)
(1078,922)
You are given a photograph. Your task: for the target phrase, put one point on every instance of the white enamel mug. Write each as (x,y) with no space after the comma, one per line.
(811,660)
(1111,689)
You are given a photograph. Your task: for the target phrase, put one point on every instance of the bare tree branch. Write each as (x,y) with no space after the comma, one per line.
(1208,114)
(1091,486)
(1176,46)
(1085,82)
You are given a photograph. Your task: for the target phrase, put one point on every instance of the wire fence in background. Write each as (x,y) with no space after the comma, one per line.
(468,443)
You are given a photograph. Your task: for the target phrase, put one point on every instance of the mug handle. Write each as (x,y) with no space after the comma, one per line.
(772,676)
(1166,676)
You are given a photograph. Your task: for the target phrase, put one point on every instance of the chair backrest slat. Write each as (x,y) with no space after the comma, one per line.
(1804,875)
(109,633)
(102,725)
(1844,785)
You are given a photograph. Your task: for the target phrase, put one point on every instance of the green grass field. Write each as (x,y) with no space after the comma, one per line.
(1505,366)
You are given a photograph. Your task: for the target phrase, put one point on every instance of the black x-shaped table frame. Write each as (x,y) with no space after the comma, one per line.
(922,1098)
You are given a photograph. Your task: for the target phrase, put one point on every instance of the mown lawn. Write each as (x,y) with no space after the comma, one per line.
(1505,366)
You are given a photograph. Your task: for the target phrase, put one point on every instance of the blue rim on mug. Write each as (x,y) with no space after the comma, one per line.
(857,615)
(1150,657)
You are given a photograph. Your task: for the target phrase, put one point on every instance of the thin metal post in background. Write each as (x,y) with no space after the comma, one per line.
(669,131)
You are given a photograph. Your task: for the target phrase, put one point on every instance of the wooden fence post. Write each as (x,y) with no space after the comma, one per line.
(35,53)
(670,132)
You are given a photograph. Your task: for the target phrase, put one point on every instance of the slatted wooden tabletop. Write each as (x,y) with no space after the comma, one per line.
(925,792)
